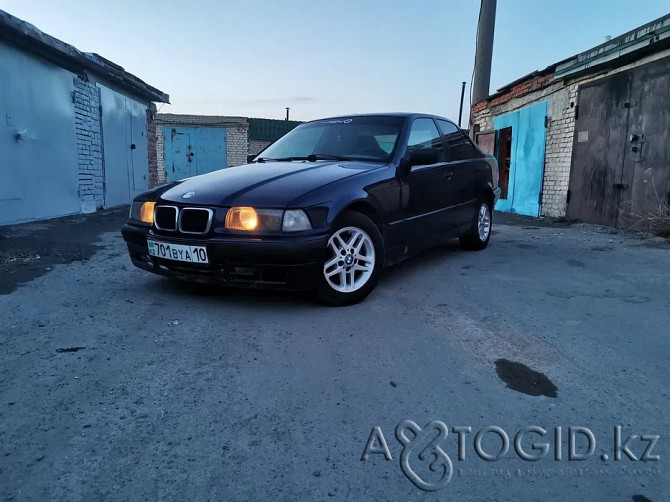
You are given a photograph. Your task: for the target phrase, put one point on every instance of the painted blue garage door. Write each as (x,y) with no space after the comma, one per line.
(38,152)
(190,151)
(527,158)
(124,125)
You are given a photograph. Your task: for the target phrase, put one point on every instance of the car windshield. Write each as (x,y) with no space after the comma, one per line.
(370,138)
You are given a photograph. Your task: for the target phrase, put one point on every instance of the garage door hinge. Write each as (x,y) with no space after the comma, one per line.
(546,122)
(576,112)
(567,197)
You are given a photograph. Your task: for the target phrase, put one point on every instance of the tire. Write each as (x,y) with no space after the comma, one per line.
(344,278)
(480,233)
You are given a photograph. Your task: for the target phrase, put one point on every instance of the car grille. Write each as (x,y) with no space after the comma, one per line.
(195,220)
(165,218)
(188,220)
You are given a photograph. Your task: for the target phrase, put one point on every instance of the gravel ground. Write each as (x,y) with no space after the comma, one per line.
(119,385)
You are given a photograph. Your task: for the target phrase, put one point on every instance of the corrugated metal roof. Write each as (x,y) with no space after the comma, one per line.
(639,38)
(651,37)
(270,129)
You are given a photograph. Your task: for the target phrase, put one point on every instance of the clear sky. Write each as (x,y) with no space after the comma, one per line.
(254,58)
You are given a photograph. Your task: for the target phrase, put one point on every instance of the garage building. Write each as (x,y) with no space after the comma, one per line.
(75,128)
(188,145)
(587,137)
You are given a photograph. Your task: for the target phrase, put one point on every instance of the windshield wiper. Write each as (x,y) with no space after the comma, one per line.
(313,158)
(326,156)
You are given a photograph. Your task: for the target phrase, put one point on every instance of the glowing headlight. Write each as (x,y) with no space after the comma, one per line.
(142,211)
(250,219)
(295,220)
(242,218)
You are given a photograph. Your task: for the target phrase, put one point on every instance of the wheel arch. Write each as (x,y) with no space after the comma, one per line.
(365,208)
(488,195)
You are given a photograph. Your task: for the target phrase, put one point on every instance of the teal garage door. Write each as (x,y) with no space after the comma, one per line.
(190,151)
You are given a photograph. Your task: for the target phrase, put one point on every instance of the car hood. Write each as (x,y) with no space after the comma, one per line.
(268,184)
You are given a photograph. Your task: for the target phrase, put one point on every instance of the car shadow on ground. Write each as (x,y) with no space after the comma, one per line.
(246,296)
(268,297)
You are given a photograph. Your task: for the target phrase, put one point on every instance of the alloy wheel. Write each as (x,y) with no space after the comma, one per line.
(351,261)
(484,222)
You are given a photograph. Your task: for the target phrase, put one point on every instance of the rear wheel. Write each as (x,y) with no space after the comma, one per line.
(480,234)
(353,260)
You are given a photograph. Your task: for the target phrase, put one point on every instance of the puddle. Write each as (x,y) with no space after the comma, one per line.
(70,349)
(521,378)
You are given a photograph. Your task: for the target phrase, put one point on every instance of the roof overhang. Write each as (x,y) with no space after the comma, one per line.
(27,37)
(651,37)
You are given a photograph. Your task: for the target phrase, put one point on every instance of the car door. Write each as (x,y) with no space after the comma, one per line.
(426,188)
(464,170)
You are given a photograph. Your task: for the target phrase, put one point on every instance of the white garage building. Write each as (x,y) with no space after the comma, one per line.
(74,132)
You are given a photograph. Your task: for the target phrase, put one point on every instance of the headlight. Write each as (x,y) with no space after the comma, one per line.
(143,212)
(250,219)
(295,220)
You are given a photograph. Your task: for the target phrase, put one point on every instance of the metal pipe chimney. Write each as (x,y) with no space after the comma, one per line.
(484,54)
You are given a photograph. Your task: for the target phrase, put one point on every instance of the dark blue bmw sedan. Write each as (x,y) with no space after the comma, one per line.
(325,207)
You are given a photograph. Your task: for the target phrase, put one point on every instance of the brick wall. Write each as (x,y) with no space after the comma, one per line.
(558,151)
(151,145)
(89,145)
(160,151)
(237,132)
(256,145)
(561,100)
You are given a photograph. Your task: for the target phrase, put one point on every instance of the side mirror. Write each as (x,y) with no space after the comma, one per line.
(250,158)
(419,157)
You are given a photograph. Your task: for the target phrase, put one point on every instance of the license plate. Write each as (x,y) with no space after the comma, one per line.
(178,252)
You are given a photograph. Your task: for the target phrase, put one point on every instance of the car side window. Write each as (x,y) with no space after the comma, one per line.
(459,145)
(424,134)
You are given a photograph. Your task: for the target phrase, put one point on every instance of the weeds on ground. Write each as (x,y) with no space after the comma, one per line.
(655,216)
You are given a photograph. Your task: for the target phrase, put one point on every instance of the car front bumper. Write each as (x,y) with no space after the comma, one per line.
(282,263)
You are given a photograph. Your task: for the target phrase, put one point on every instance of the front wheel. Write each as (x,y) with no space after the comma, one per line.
(353,260)
(480,233)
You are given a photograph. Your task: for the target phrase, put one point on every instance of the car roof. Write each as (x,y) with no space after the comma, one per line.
(386,114)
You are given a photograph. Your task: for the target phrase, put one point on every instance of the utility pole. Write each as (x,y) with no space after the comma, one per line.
(460,110)
(484,54)
(287,109)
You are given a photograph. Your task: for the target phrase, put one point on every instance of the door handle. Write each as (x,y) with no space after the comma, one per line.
(449,174)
